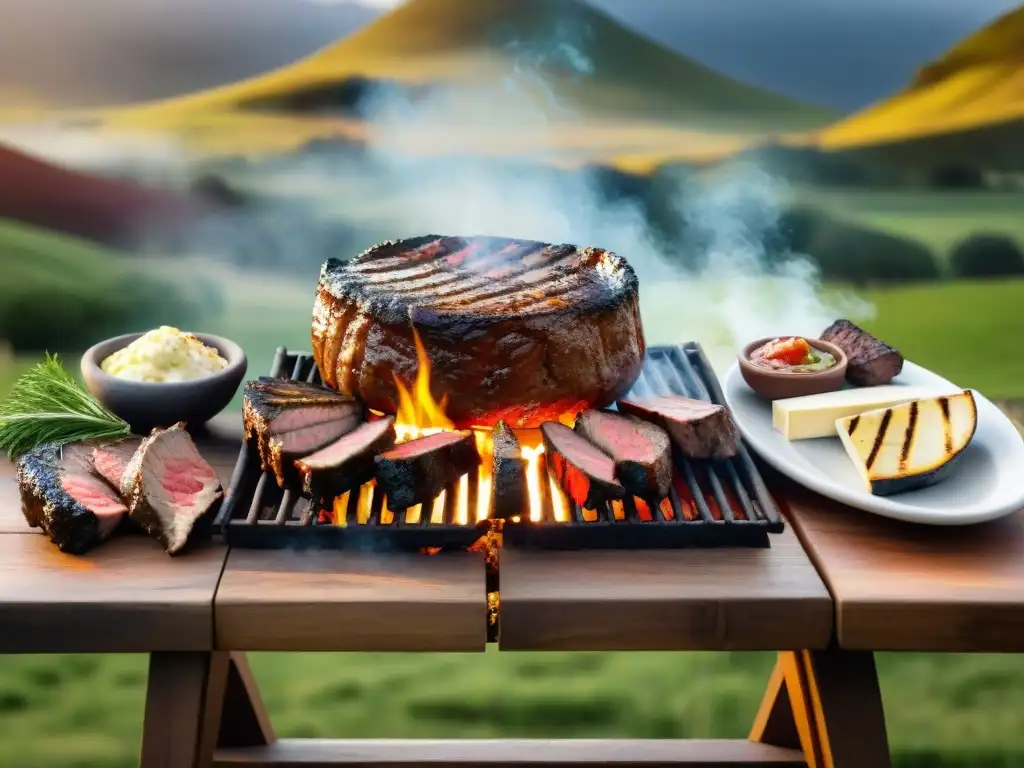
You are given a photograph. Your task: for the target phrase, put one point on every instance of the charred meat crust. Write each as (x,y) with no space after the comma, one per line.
(642,451)
(509,490)
(159,510)
(417,471)
(273,407)
(699,429)
(870,361)
(285,448)
(47,504)
(500,350)
(584,472)
(348,461)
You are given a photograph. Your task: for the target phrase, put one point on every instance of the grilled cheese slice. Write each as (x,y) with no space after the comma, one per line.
(912,445)
(801,418)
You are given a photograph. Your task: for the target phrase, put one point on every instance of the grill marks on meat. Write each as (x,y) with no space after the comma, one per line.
(584,471)
(61,494)
(347,462)
(641,451)
(870,362)
(700,430)
(509,491)
(516,330)
(170,487)
(417,471)
(289,419)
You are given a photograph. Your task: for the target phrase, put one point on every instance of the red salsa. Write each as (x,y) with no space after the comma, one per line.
(793,354)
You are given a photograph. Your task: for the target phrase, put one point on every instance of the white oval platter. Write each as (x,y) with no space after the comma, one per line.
(986,483)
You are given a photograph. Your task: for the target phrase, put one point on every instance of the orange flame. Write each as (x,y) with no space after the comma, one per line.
(419,414)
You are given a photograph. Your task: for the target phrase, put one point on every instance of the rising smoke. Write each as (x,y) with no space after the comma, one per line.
(719,283)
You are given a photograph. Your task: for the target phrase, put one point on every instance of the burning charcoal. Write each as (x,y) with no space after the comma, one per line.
(274,406)
(641,451)
(509,495)
(111,459)
(61,494)
(348,461)
(584,471)
(169,487)
(870,362)
(284,449)
(417,471)
(700,430)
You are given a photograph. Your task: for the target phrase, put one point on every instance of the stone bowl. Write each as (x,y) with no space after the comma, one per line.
(146,404)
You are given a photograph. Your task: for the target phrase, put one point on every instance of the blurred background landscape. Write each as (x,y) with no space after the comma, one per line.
(766,165)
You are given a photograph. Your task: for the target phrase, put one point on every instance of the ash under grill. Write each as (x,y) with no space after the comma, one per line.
(711,503)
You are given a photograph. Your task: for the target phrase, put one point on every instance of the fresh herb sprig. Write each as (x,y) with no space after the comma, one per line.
(46,405)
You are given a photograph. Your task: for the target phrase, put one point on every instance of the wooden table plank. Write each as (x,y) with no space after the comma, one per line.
(345,601)
(695,753)
(219,445)
(126,596)
(710,599)
(899,586)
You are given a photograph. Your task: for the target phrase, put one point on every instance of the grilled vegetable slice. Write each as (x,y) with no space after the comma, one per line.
(912,445)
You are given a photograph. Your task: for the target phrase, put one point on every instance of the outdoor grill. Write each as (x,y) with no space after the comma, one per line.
(711,503)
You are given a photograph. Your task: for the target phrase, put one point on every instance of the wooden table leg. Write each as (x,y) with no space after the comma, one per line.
(828,705)
(196,702)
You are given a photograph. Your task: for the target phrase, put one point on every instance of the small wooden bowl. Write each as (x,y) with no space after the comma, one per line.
(778,385)
(145,404)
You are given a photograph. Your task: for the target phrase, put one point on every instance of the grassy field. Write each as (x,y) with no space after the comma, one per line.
(939,219)
(86,711)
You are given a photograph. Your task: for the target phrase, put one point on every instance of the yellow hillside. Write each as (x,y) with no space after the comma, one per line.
(977,84)
(601,72)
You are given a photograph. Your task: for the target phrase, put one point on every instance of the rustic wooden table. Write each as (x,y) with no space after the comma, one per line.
(199,613)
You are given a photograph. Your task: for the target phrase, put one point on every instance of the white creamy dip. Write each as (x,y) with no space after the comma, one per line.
(164,354)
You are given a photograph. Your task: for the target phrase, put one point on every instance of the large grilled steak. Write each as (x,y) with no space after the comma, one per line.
(515,330)
(169,487)
(61,494)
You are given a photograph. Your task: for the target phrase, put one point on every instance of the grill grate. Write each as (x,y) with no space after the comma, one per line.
(712,503)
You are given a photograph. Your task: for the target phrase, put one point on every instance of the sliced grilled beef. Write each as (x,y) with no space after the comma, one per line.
(701,430)
(170,487)
(285,448)
(870,362)
(509,495)
(516,330)
(584,471)
(417,471)
(273,407)
(111,459)
(641,450)
(347,462)
(61,494)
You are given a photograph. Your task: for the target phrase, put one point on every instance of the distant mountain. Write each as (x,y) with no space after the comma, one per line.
(93,207)
(69,53)
(843,54)
(588,59)
(967,106)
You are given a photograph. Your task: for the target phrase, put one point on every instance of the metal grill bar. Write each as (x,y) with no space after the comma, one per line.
(713,503)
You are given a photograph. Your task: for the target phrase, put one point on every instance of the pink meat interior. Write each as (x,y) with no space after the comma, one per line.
(316,436)
(99,498)
(581,452)
(422,445)
(349,444)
